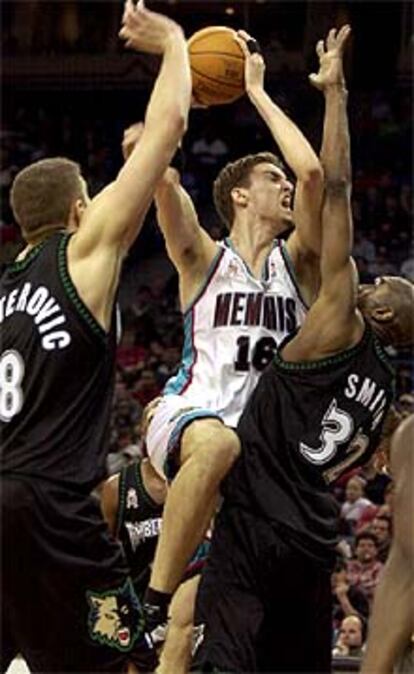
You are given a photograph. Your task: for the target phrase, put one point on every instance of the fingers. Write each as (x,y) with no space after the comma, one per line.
(242,42)
(343,35)
(247,43)
(249,47)
(244,35)
(331,39)
(335,40)
(320,48)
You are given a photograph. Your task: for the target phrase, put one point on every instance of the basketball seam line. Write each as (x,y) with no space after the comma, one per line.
(216,81)
(217,53)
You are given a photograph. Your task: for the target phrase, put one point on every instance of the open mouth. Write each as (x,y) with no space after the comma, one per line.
(123,636)
(286,202)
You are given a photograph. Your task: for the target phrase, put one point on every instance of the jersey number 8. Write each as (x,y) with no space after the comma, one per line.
(11,376)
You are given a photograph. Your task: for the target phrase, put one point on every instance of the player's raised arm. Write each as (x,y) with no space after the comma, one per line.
(296,151)
(114,218)
(189,246)
(337,271)
(333,322)
(116,213)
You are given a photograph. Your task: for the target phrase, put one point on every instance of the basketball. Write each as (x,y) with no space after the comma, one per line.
(217,66)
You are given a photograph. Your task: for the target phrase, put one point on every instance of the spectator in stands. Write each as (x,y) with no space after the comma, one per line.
(129,352)
(363,247)
(381,527)
(382,266)
(355,503)
(351,638)
(363,571)
(388,505)
(406,404)
(127,450)
(147,387)
(407,266)
(346,599)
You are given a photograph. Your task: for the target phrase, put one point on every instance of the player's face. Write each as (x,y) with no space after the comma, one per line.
(270,194)
(382,293)
(390,299)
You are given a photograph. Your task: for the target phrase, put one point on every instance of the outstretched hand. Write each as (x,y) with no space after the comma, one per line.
(146,31)
(330,54)
(254,69)
(132,136)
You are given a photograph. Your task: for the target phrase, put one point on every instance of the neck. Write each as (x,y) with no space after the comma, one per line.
(384,332)
(41,234)
(253,243)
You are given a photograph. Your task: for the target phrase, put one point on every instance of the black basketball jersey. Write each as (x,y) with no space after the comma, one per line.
(56,373)
(306,424)
(138,524)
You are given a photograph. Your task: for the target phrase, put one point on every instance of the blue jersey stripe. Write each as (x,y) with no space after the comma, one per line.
(207,280)
(176,384)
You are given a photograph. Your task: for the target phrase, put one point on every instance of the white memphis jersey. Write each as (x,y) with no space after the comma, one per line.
(232,329)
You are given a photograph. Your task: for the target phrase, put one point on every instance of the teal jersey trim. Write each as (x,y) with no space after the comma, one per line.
(210,273)
(177,384)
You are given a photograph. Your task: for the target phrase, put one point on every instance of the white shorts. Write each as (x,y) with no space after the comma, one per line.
(171,416)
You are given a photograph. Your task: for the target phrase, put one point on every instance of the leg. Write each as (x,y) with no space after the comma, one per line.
(229,609)
(61,559)
(176,654)
(208,450)
(297,628)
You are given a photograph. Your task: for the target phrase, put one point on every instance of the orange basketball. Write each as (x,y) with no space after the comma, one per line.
(217,66)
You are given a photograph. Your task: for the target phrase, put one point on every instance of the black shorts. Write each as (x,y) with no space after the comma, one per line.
(262,606)
(68,603)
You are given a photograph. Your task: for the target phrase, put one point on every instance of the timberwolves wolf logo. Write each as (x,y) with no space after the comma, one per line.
(114,617)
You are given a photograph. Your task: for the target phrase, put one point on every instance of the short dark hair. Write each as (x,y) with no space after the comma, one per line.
(237,174)
(366,535)
(43,193)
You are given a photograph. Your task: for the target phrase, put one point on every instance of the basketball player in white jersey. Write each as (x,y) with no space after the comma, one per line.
(239,298)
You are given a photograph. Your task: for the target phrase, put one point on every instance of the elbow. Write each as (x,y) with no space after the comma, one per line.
(313,177)
(177,125)
(170,182)
(338,186)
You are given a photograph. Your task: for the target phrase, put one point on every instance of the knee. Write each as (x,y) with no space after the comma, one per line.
(212,444)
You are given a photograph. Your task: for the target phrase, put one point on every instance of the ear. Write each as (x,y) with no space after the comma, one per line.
(383,314)
(75,214)
(240,196)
